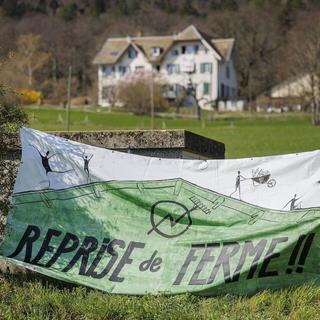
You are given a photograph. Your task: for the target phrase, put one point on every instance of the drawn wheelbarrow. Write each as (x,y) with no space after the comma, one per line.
(262,177)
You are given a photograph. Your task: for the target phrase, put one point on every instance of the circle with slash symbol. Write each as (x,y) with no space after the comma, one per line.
(169,219)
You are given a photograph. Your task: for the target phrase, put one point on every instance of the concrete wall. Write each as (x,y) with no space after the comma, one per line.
(155,143)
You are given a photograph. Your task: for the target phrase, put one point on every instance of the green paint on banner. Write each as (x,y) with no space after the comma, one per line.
(167,236)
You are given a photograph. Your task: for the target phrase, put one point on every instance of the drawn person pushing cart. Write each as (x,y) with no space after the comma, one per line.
(239,179)
(293,203)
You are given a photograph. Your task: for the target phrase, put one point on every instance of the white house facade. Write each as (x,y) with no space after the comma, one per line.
(187,57)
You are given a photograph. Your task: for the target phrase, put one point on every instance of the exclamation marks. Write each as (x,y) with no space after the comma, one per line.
(305,252)
(303,255)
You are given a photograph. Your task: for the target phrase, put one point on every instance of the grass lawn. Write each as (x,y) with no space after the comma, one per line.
(31,297)
(243,136)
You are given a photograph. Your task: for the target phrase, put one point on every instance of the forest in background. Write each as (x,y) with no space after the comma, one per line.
(40,39)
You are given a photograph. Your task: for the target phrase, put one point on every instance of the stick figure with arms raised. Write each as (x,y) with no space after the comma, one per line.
(45,162)
(86,161)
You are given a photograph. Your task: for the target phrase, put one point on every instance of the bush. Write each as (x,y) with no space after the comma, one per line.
(28,96)
(12,117)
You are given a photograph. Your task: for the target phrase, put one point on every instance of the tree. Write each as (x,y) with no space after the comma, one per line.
(188,9)
(305,63)
(13,8)
(137,90)
(11,115)
(54,5)
(257,43)
(68,12)
(30,56)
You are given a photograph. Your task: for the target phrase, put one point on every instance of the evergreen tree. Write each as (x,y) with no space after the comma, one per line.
(68,12)
(12,8)
(54,5)
(188,9)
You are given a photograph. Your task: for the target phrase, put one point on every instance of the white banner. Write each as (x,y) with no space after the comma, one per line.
(285,182)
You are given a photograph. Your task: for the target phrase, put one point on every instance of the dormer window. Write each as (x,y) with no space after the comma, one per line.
(156,51)
(132,53)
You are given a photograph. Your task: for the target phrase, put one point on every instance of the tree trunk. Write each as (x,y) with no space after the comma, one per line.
(54,69)
(250,91)
(317,113)
(29,74)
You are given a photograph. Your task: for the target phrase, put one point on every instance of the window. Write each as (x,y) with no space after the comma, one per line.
(206,88)
(173,68)
(132,53)
(183,49)
(206,68)
(227,72)
(107,93)
(123,70)
(156,51)
(192,49)
(107,70)
(227,91)
(234,93)
(114,53)
(174,52)
(222,90)
(158,67)
(139,68)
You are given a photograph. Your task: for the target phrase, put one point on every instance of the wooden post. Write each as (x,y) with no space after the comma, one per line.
(69,97)
(152,102)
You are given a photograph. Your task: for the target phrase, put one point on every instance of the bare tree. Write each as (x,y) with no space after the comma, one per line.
(30,56)
(257,43)
(305,64)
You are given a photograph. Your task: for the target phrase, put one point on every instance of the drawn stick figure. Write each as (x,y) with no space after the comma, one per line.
(86,161)
(293,204)
(239,178)
(46,165)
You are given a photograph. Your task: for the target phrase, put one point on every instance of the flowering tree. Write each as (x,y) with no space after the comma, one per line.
(139,90)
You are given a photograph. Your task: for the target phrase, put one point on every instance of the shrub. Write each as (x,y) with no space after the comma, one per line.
(12,117)
(28,96)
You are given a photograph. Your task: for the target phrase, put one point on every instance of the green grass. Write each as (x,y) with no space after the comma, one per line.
(243,136)
(25,298)
(31,297)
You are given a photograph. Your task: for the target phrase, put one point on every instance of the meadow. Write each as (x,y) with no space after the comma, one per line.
(244,135)
(34,297)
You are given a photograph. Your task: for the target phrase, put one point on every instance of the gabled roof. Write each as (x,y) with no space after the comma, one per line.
(224,47)
(111,51)
(114,48)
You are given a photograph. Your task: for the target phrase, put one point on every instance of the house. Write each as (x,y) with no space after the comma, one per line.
(190,56)
(290,94)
